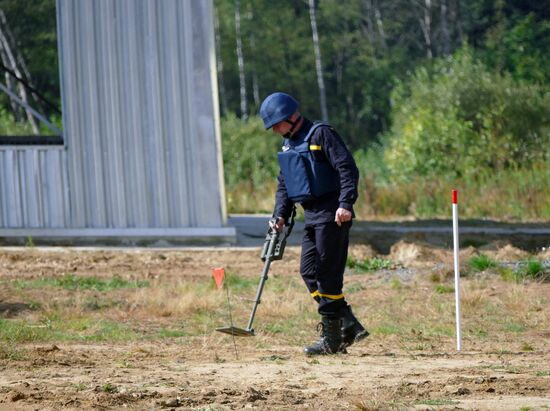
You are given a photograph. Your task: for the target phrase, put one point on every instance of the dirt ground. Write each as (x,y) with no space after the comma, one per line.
(206,371)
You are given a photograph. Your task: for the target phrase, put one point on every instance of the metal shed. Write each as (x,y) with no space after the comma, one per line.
(141,158)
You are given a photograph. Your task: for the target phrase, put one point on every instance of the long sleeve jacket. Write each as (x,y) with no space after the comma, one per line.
(323,209)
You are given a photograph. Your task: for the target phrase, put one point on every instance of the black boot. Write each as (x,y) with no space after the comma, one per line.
(352,330)
(331,337)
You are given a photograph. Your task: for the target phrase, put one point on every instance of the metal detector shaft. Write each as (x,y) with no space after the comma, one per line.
(263,279)
(273,249)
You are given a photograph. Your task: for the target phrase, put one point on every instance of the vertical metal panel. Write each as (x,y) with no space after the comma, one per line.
(140,113)
(142,144)
(33,189)
(206,139)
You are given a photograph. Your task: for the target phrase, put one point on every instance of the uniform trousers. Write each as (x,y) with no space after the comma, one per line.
(322,265)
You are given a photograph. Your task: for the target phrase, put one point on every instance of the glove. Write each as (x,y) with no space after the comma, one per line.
(277,223)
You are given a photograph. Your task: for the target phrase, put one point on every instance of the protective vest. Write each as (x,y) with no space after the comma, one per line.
(306,178)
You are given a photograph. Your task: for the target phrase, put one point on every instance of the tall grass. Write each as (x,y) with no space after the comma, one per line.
(513,195)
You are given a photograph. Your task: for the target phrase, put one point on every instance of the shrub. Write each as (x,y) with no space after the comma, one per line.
(460,118)
(249,152)
(250,164)
(369,264)
(8,125)
(533,269)
(481,262)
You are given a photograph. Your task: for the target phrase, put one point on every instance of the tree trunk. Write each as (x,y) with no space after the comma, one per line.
(318,64)
(380,25)
(9,58)
(366,21)
(445,37)
(426,25)
(456,17)
(240,60)
(20,61)
(219,63)
(252,40)
(10,83)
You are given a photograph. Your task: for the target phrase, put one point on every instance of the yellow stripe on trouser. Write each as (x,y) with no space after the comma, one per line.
(315,147)
(330,296)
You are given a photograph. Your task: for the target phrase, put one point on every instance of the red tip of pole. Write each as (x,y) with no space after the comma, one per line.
(455,197)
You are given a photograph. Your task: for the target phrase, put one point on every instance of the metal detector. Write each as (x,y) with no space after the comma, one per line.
(273,249)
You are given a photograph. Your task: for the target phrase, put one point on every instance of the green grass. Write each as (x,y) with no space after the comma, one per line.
(542,373)
(481,262)
(396,283)
(10,351)
(369,264)
(239,283)
(443,289)
(535,270)
(508,274)
(56,329)
(275,328)
(74,282)
(478,332)
(527,270)
(96,304)
(286,326)
(440,331)
(514,327)
(353,288)
(109,388)
(171,333)
(387,329)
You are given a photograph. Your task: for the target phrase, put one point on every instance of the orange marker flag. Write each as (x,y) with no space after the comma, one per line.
(218,274)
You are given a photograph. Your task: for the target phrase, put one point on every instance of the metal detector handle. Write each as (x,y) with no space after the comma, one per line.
(280,243)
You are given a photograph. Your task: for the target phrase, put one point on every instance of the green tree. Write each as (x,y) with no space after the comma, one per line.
(460,118)
(33,25)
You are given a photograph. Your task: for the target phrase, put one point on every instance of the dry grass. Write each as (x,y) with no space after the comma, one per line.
(410,314)
(517,195)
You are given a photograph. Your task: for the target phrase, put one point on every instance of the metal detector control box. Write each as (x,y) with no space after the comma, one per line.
(280,240)
(278,249)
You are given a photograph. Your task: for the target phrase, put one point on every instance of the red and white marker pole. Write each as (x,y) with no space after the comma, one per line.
(456,269)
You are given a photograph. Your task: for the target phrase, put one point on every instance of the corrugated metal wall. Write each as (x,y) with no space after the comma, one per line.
(33,187)
(140,112)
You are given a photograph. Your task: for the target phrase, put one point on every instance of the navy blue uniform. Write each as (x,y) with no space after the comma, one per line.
(325,244)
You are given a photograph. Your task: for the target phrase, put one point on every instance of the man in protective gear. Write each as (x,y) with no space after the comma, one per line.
(318,172)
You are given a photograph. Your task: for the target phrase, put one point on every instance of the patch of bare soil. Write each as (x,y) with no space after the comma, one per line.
(207,372)
(169,377)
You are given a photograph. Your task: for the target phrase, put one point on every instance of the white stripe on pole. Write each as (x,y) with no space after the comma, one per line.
(457,271)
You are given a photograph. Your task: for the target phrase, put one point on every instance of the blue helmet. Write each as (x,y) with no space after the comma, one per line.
(277,107)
